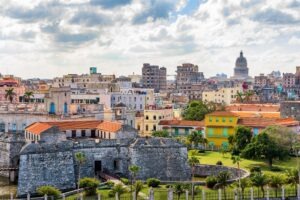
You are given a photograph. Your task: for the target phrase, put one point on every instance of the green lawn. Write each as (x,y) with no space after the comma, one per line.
(210,157)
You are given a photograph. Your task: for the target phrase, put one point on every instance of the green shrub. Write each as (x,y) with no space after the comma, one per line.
(211,181)
(275,169)
(255,169)
(153,182)
(125,181)
(110,184)
(90,184)
(48,190)
(219,162)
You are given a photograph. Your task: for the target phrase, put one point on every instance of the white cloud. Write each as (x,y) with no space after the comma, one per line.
(74,35)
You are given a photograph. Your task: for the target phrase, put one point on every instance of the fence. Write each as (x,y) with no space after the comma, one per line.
(171,194)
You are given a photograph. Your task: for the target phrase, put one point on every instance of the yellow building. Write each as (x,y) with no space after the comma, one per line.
(223,95)
(218,127)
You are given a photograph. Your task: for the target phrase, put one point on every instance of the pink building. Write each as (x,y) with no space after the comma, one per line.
(10,82)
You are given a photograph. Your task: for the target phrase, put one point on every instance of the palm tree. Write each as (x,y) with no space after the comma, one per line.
(80,158)
(259,180)
(138,186)
(276,181)
(239,97)
(292,177)
(243,184)
(195,138)
(248,94)
(28,95)
(193,161)
(237,160)
(133,172)
(179,190)
(119,189)
(10,94)
(222,181)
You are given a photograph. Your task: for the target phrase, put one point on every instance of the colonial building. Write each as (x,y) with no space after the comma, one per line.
(181,127)
(222,95)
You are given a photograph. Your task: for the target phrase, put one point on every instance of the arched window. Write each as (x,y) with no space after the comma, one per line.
(147,117)
(154,117)
(147,128)
(154,127)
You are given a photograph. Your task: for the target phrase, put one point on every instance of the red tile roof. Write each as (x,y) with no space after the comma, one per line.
(175,122)
(222,113)
(110,126)
(254,107)
(264,122)
(39,127)
(257,114)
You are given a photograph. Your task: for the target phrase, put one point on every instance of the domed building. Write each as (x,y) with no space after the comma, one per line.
(241,69)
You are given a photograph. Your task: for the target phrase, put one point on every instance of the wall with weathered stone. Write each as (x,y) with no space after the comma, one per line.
(39,167)
(160,158)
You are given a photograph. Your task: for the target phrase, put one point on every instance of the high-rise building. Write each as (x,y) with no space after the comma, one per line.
(154,77)
(188,74)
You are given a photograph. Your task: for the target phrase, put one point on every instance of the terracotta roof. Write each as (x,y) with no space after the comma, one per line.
(259,122)
(110,126)
(257,114)
(39,127)
(254,107)
(222,113)
(181,123)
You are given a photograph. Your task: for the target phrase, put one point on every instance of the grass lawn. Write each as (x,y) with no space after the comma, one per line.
(211,157)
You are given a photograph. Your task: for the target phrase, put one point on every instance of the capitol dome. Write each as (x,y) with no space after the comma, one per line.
(241,61)
(241,67)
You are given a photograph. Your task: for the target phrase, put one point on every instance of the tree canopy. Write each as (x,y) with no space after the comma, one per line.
(162,133)
(240,139)
(196,110)
(265,147)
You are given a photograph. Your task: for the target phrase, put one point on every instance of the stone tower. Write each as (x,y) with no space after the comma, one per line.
(241,69)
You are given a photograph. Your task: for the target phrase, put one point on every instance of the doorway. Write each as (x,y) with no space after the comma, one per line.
(98,167)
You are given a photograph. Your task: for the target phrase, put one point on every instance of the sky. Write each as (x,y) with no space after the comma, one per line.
(49,38)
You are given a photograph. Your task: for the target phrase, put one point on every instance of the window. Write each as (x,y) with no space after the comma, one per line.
(217,119)
(82,133)
(255,131)
(116,165)
(138,127)
(223,119)
(2,127)
(230,119)
(154,117)
(210,131)
(154,127)
(73,133)
(225,132)
(147,117)
(147,127)
(93,133)
(210,119)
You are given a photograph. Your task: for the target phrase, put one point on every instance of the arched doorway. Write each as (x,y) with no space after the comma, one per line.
(52,108)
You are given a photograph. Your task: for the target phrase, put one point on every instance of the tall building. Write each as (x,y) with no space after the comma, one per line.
(154,77)
(241,69)
(188,74)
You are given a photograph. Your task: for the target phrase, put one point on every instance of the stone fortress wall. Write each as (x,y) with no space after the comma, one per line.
(54,164)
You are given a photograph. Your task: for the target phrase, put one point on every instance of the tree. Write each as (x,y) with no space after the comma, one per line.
(263,146)
(179,189)
(80,158)
(138,186)
(90,184)
(118,189)
(196,110)
(163,133)
(243,184)
(193,161)
(240,139)
(237,160)
(195,138)
(133,171)
(10,94)
(239,97)
(292,178)
(248,94)
(276,181)
(49,191)
(259,180)
(28,95)
(222,181)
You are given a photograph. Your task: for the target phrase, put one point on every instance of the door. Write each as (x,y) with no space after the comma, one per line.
(98,167)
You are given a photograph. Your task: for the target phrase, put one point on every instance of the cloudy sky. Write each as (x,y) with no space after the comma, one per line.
(48,38)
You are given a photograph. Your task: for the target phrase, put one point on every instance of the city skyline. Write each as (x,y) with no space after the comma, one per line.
(51,38)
